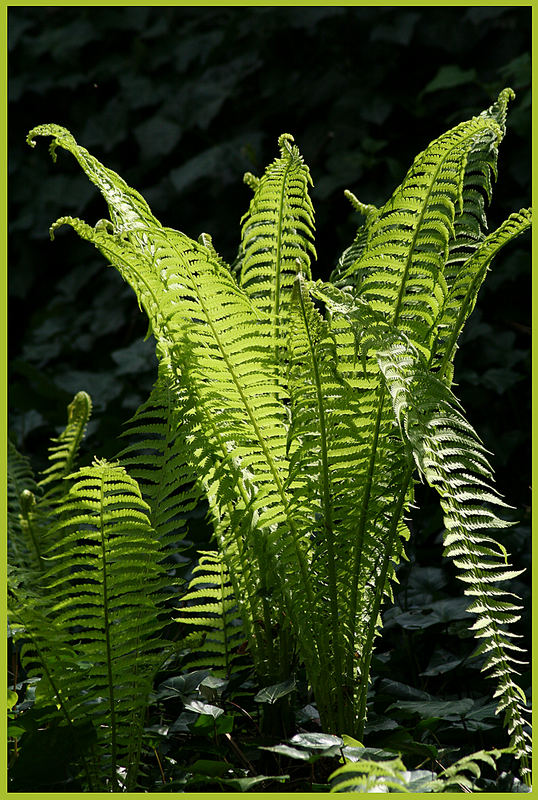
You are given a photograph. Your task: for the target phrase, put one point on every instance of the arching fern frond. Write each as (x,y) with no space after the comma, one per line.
(209,332)
(210,606)
(461,298)
(451,458)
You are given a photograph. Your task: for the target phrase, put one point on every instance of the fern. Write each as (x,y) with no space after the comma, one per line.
(23,540)
(64,450)
(210,606)
(155,457)
(449,455)
(304,429)
(30,510)
(373,771)
(90,632)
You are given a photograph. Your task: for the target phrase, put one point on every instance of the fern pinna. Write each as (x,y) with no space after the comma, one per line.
(305,427)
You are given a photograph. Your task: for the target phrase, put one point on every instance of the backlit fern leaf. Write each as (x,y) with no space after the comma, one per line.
(91,632)
(402,268)
(157,458)
(209,328)
(461,298)
(210,606)
(451,458)
(64,449)
(277,232)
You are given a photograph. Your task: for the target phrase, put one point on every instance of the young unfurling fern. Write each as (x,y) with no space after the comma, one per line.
(305,428)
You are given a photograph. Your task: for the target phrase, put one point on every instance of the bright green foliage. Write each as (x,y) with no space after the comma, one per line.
(155,458)
(304,429)
(210,606)
(365,775)
(23,545)
(29,509)
(372,771)
(64,450)
(461,775)
(86,613)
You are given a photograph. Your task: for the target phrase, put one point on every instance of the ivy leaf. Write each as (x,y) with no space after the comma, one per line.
(292,752)
(245,784)
(443,709)
(12,698)
(441,661)
(450,76)
(270,694)
(204,708)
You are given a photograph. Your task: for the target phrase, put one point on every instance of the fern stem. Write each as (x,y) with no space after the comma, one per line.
(27,500)
(275,290)
(378,599)
(361,528)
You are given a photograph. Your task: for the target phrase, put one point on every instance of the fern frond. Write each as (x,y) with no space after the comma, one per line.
(367,775)
(458,773)
(452,460)
(210,606)
(402,269)
(277,233)
(366,478)
(64,449)
(208,332)
(24,546)
(461,298)
(158,458)
(92,633)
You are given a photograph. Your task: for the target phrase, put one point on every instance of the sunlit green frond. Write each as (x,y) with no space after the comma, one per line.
(401,270)
(277,232)
(210,334)
(371,473)
(210,606)
(464,772)
(129,212)
(470,222)
(367,775)
(64,449)
(461,298)
(92,631)
(452,460)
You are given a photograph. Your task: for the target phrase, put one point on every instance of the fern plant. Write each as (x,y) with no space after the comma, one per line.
(305,409)
(86,586)
(209,606)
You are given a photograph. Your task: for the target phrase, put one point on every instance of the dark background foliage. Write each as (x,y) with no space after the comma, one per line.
(182,101)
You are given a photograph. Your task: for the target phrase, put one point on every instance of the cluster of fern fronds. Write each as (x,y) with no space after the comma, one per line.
(303,412)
